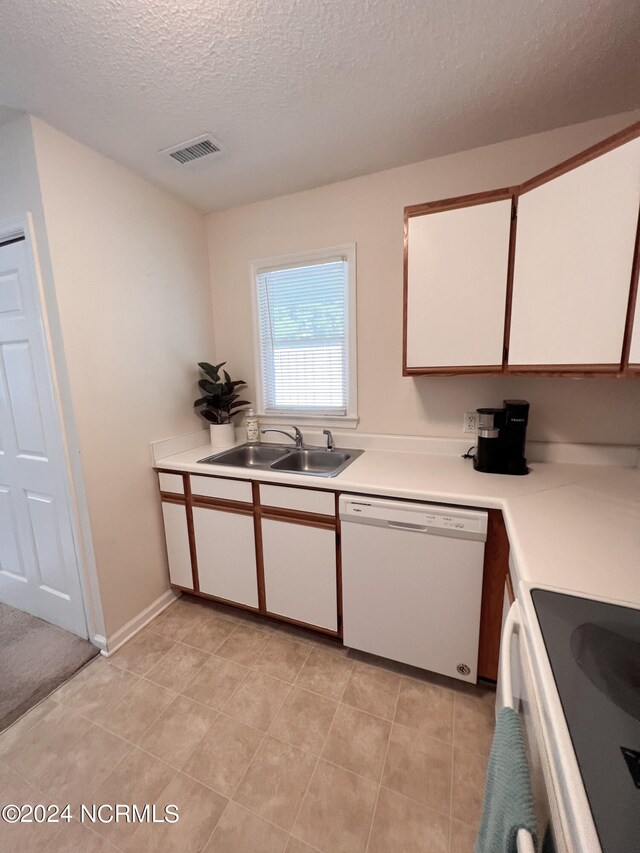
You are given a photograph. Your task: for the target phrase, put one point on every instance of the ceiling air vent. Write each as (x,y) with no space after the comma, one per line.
(193,149)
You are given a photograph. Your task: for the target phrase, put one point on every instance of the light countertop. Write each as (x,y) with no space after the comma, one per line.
(572,527)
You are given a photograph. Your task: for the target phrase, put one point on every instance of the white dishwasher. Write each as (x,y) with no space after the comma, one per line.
(412,582)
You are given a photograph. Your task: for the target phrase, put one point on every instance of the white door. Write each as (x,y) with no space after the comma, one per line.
(300,572)
(176,533)
(574,254)
(457,264)
(226,554)
(38,562)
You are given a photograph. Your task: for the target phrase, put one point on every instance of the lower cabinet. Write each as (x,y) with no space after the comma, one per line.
(300,572)
(177,537)
(226,556)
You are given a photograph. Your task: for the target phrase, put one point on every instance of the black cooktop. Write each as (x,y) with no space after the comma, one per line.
(594,649)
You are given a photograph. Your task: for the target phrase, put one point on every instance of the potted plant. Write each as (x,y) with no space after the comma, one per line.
(220,403)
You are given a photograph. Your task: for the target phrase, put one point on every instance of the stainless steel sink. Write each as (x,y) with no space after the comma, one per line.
(312,461)
(315,462)
(249,456)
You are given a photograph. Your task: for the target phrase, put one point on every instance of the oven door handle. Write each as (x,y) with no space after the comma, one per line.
(511,629)
(524,841)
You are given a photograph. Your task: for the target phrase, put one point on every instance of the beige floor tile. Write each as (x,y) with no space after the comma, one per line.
(221,758)
(139,778)
(404,825)
(463,838)
(474,720)
(9,736)
(142,652)
(208,632)
(39,749)
(297,846)
(87,762)
(200,810)
(358,742)
(419,767)
(177,667)
(325,673)
(304,720)
(140,706)
(239,831)
(176,732)
(257,701)
(373,690)
(244,646)
(337,811)
(276,781)
(215,683)
(21,837)
(74,837)
(428,708)
(282,658)
(95,688)
(469,771)
(175,620)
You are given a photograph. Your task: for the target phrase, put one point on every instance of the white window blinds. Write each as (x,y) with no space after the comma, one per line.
(303,327)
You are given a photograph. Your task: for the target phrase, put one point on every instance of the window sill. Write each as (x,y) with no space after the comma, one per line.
(327,421)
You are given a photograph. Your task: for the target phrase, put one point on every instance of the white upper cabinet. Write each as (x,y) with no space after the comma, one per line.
(456,285)
(573,259)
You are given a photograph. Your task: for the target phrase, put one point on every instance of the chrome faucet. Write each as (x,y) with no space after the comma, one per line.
(297,437)
(330,444)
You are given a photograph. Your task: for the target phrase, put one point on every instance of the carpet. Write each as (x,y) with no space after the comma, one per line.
(35,658)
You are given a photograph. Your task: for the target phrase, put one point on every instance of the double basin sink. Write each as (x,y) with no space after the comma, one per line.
(312,461)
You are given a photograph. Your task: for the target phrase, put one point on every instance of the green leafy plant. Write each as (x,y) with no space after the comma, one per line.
(221,401)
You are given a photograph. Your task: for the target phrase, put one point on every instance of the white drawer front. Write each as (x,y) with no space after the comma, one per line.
(303,500)
(216,487)
(171,483)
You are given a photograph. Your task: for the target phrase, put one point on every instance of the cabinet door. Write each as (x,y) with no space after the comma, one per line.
(456,284)
(226,554)
(300,572)
(573,259)
(177,538)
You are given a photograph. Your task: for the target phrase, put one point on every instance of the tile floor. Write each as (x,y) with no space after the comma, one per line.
(268,739)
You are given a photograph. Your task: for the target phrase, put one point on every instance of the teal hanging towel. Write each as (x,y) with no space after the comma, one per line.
(508,800)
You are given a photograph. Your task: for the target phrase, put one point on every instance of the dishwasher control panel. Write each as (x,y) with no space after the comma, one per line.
(427,518)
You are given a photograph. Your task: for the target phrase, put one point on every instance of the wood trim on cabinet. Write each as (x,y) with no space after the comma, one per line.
(496,568)
(257,533)
(299,624)
(602,147)
(191,533)
(339,563)
(461,370)
(172,498)
(239,507)
(511,262)
(509,584)
(571,370)
(456,202)
(631,307)
(217,598)
(295,516)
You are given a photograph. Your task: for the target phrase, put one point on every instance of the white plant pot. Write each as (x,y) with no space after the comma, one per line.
(222,435)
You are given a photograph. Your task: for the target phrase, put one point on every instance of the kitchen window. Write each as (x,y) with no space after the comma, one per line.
(306,336)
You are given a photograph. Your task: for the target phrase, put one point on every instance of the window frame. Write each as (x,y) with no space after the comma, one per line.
(350,419)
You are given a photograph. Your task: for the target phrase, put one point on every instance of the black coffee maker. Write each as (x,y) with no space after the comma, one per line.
(501,438)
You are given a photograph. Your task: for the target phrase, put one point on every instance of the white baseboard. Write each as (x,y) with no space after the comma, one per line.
(111,644)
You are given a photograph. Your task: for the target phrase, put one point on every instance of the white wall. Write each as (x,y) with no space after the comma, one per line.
(369,211)
(132,285)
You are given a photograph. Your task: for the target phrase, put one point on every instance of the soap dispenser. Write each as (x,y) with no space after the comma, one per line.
(252,426)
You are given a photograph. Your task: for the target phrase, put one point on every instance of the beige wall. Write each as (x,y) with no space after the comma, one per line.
(369,211)
(132,285)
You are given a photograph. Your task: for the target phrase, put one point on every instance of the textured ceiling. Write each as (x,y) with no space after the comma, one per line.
(305,92)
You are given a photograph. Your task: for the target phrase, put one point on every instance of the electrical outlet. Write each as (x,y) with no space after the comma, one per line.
(470,423)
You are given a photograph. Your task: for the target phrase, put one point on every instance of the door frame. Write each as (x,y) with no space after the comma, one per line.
(75,494)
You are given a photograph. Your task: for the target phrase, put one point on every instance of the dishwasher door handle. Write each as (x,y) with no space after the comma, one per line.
(406,525)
